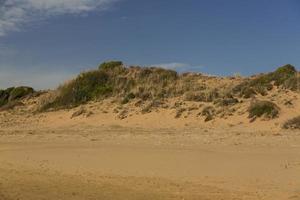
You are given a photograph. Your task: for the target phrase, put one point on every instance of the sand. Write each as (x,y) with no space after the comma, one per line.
(53,155)
(119,162)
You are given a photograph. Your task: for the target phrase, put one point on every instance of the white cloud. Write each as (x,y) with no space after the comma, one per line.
(16,13)
(180,67)
(174,65)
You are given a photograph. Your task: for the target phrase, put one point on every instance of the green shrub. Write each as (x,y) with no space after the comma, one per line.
(278,76)
(87,86)
(110,65)
(4,95)
(263,83)
(293,83)
(12,94)
(101,90)
(156,75)
(292,123)
(263,108)
(8,90)
(165,74)
(283,73)
(20,92)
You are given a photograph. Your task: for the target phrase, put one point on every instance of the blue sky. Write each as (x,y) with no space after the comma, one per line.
(44,42)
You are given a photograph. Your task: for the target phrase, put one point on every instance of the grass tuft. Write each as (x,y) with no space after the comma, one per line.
(293,123)
(110,65)
(209,113)
(263,108)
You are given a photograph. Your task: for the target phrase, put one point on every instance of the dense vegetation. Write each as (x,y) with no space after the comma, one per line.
(113,79)
(286,76)
(14,93)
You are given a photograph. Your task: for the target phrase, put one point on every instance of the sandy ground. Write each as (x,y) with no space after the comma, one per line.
(118,162)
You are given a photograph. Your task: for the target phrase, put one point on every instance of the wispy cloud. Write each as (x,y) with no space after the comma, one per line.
(174,65)
(14,14)
(180,67)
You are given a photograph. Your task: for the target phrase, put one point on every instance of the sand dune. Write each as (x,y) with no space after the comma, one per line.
(106,149)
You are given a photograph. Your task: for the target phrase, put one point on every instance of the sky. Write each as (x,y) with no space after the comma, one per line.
(46,42)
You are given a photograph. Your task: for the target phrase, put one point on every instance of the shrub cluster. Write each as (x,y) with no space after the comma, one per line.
(87,86)
(293,83)
(292,123)
(13,94)
(110,65)
(263,108)
(227,101)
(113,79)
(263,83)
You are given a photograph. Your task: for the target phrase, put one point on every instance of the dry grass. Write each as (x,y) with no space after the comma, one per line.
(144,87)
(292,123)
(263,83)
(209,113)
(265,109)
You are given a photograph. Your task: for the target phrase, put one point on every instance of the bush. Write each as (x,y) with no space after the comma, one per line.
(112,79)
(293,83)
(12,94)
(87,86)
(155,76)
(227,101)
(110,65)
(283,73)
(292,123)
(263,108)
(209,113)
(4,95)
(279,76)
(20,92)
(263,83)
(165,74)
(127,98)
